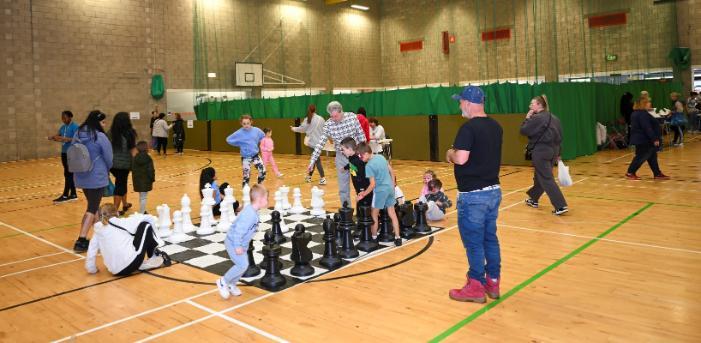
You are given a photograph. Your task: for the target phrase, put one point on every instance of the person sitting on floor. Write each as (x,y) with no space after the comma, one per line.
(124,242)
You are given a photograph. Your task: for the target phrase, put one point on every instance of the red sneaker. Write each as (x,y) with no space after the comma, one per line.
(492,288)
(633,177)
(473,291)
(661,176)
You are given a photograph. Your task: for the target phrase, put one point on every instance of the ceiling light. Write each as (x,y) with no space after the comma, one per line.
(360,7)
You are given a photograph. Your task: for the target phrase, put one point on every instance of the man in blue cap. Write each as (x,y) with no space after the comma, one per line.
(476,156)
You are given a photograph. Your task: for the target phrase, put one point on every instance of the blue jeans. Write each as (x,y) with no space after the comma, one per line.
(477,221)
(234,273)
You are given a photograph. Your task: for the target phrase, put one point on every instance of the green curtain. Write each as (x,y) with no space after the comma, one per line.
(578,105)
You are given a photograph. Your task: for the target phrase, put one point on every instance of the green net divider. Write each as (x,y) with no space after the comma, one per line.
(578,105)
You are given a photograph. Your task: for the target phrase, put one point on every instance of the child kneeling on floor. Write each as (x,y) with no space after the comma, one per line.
(237,240)
(436,200)
(124,242)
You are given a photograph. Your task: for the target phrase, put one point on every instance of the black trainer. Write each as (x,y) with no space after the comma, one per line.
(532,203)
(398,242)
(61,199)
(166,259)
(72,197)
(81,245)
(561,211)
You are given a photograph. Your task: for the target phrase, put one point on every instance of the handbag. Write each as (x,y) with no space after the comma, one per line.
(109,190)
(529,150)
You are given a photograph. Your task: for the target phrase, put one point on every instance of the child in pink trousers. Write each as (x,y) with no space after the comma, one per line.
(266,148)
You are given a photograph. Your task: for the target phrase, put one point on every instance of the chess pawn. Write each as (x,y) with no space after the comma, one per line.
(224,223)
(421,226)
(186,210)
(405,214)
(163,221)
(284,193)
(230,200)
(366,243)
(297,207)
(279,206)
(386,233)
(330,260)
(337,229)
(278,237)
(246,195)
(317,202)
(272,280)
(301,254)
(205,221)
(178,233)
(229,195)
(253,269)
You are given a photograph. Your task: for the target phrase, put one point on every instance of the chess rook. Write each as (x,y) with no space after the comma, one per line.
(345,225)
(317,202)
(301,254)
(386,234)
(272,280)
(163,220)
(421,226)
(366,243)
(186,210)
(284,193)
(205,221)
(330,260)
(405,214)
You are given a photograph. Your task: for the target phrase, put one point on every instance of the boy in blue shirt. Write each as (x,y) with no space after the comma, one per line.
(381,179)
(237,240)
(248,138)
(65,136)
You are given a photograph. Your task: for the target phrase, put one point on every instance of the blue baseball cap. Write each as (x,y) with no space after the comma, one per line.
(472,94)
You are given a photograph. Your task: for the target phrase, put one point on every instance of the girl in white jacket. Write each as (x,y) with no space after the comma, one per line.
(124,242)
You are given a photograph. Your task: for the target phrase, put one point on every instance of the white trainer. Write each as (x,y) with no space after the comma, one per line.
(223,288)
(154,261)
(235,291)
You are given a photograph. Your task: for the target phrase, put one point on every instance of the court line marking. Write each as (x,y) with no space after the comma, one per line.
(618,158)
(42,267)
(41,239)
(443,335)
(238,322)
(31,258)
(645,245)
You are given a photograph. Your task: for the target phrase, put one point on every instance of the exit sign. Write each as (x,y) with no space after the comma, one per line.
(610,57)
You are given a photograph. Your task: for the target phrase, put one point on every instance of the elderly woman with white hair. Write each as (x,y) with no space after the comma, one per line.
(339,126)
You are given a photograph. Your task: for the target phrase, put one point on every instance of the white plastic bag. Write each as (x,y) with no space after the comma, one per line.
(563,174)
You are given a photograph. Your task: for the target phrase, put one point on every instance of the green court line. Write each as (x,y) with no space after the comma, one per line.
(547,269)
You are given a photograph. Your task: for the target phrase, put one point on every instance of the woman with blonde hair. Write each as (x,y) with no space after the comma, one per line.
(645,134)
(544,134)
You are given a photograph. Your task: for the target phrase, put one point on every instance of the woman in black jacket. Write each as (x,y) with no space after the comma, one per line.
(645,134)
(123,137)
(178,134)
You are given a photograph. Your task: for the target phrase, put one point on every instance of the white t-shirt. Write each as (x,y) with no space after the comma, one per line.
(376,134)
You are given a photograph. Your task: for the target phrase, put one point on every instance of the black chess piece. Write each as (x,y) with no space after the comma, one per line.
(339,234)
(272,280)
(366,243)
(421,226)
(386,234)
(345,225)
(405,215)
(301,254)
(330,259)
(278,237)
(253,269)
(267,240)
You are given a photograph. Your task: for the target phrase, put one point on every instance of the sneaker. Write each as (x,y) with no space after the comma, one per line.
(322,181)
(223,289)
(234,290)
(152,262)
(166,258)
(473,291)
(661,176)
(398,242)
(307,179)
(126,207)
(561,211)
(532,203)
(632,176)
(492,288)
(81,245)
(72,197)
(61,199)
(280,175)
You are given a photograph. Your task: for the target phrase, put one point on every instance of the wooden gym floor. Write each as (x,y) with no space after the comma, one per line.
(623,265)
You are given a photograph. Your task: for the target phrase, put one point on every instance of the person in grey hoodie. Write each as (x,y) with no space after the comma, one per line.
(92,134)
(544,134)
(313,127)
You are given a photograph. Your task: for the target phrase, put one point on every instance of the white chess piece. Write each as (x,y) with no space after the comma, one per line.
(178,233)
(297,207)
(224,209)
(230,200)
(246,194)
(317,202)
(208,199)
(278,203)
(284,192)
(205,221)
(186,210)
(163,221)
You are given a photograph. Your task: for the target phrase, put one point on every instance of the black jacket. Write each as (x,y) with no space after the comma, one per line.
(644,128)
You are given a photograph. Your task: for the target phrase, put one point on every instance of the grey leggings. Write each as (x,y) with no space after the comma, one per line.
(317,164)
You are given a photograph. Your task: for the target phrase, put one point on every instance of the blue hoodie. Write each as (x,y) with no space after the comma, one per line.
(246,139)
(100,150)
